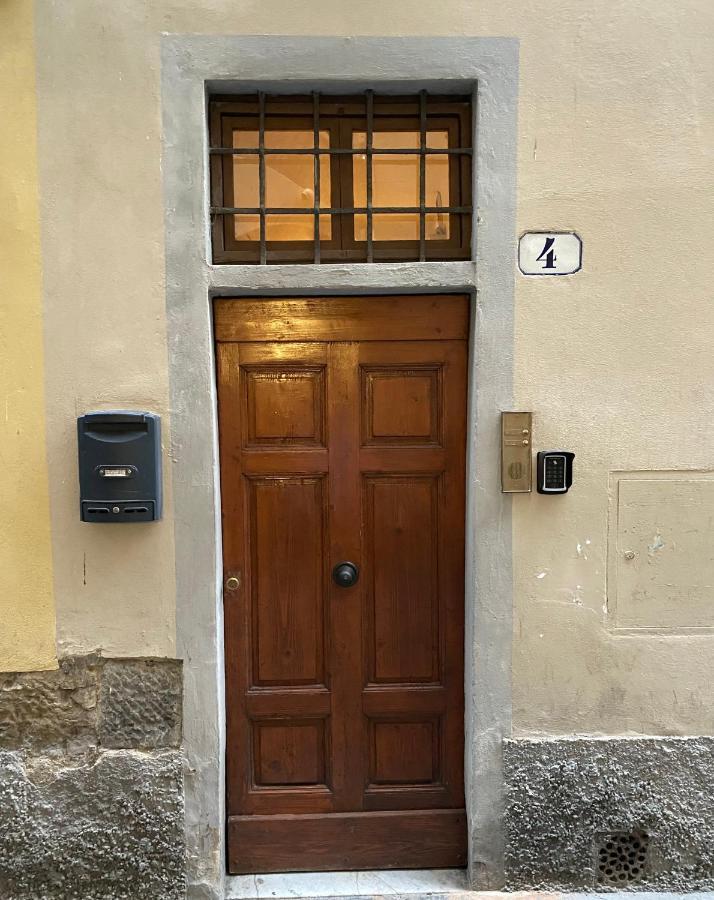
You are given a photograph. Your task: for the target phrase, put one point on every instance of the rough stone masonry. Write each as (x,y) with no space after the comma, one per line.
(571,802)
(91,781)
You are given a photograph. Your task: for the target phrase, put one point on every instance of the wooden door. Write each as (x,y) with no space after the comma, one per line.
(342,438)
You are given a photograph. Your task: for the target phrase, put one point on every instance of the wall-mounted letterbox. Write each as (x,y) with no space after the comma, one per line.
(119,466)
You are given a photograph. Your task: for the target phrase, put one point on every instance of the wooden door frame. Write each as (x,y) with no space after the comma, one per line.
(488,67)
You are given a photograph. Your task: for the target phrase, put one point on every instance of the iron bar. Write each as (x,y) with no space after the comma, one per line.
(261,176)
(316,173)
(333,210)
(368,163)
(422,176)
(339,151)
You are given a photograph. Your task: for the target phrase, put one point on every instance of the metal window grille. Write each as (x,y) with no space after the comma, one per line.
(219,212)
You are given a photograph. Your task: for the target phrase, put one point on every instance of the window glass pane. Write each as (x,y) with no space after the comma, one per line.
(388,227)
(277,137)
(395,182)
(246,228)
(295,228)
(245,140)
(437,140)
(289,183)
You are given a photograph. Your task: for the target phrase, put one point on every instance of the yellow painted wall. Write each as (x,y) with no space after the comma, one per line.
(27,614)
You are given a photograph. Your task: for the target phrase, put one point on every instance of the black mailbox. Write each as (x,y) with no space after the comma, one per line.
(119,466)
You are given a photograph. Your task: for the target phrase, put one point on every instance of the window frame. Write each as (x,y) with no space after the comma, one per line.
(341,117)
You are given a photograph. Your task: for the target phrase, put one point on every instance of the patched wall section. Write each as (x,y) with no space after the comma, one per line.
(582,813)
(660,552)
(91,781)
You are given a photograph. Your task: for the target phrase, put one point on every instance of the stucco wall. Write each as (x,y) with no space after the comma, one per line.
(614,142)
(27,616)
(102,232)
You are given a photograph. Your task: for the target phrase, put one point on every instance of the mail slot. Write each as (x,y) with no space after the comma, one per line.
(119,466)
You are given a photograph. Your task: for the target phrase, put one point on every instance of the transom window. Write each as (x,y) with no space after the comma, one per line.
(326,179)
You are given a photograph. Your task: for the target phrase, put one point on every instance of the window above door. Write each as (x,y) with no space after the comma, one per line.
(321,179)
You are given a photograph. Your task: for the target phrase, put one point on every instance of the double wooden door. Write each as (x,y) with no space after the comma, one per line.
(342,440)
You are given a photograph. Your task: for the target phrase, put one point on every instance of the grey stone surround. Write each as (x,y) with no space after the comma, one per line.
(192,66)
(566,796)
(91,781)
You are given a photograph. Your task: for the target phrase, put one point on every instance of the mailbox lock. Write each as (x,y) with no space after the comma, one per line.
(232,583)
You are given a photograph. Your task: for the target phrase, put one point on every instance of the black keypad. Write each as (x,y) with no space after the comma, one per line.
(555,472)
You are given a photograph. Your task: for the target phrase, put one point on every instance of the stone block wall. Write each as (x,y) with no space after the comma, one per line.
(609,813)
(91,781)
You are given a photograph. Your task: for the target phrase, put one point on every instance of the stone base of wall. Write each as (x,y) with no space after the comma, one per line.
(91,782)
(608,813)
(91,795)
(109,826)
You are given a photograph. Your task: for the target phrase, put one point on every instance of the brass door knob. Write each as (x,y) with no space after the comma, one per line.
(232,583)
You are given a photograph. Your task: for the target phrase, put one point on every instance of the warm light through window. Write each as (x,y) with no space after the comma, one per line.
(289,183)
(395,182)
(292,179)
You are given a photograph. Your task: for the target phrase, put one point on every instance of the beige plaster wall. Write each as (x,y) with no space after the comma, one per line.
(105,336)
(615,141)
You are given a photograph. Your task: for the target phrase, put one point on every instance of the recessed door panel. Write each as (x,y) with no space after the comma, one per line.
(287,543)
(284,405)
(401,534)
(287,753)
(405,753)
(401,406)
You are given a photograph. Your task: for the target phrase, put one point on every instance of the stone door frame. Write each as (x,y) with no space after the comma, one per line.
(193,66)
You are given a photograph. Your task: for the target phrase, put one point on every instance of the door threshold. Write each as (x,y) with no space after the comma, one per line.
(370,883)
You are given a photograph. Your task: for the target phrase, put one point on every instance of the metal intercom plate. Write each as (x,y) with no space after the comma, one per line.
(516,456)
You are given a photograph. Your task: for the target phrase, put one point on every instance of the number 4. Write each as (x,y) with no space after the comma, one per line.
(548,253)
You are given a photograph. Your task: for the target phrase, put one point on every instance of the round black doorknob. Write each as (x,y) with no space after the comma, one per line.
(345,574)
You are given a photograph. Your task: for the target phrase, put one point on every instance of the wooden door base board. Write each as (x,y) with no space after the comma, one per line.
(414,839)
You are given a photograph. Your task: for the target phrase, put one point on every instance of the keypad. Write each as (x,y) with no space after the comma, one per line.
(555,472)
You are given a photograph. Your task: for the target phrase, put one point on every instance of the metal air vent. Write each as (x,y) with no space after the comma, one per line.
(622,857)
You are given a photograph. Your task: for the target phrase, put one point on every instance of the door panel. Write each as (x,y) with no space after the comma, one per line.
(401,566)
(284,407)
(401,406)
(345,705)
(287,544)
(287,752)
